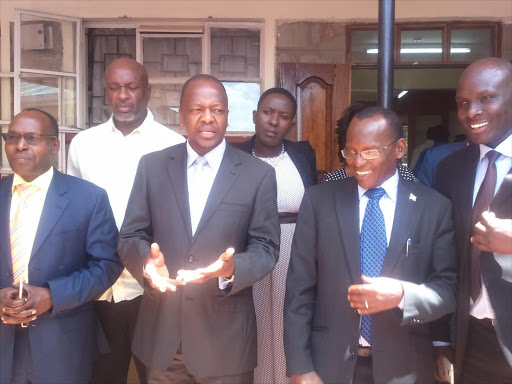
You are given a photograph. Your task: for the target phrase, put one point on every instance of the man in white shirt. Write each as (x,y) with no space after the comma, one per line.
(372,263)
(108,155)
(478,180)
(57,254)
(189,204)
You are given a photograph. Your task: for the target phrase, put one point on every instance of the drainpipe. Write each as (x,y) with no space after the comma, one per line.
(386,51)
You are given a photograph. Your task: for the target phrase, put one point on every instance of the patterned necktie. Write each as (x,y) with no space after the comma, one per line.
(482,201)
(373,247)
(19,248)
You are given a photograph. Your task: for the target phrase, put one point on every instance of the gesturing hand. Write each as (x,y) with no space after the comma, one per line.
(377,295)
(223,267)
(306,378)
(157,273)
(493,234)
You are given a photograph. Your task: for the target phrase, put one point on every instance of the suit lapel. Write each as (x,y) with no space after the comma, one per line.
(54,205)
(501,204)
(177,170)
(5,207)
(347,211)
(225,178)
(404,222)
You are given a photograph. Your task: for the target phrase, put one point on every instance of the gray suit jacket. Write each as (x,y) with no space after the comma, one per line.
(321,331)
(217,329)
(456,179)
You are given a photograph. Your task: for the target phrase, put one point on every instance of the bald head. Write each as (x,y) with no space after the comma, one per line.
(484,99)
(128,93)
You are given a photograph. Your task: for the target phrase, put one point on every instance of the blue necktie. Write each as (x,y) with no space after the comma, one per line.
(373,247)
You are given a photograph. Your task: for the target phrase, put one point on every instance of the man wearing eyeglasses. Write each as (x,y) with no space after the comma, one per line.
(372,263)
(57,253)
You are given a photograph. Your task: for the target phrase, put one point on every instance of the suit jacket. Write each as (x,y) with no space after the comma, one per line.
(302,155)
(217,331)
(426,171)
(456,179)
(74,254)
(321,330)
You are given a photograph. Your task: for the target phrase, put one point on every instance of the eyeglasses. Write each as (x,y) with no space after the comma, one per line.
(368,154)
(30,138)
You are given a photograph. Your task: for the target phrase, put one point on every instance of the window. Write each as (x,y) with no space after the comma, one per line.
(230,53)
(427,43)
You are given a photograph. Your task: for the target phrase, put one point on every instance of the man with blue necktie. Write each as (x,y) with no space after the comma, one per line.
(372,263)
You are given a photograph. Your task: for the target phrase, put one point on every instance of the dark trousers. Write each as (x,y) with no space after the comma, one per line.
(118,321)
(363,372)
(177,374)
(484,362)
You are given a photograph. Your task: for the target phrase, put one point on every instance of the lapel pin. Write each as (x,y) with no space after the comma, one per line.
(412,197)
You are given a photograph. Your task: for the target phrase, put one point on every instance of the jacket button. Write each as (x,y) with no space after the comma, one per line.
(190,259)
(352,355)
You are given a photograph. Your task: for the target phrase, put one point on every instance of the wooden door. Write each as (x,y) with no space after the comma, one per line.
(322,92)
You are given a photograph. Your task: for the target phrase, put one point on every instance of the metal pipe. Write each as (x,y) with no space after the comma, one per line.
(386,53)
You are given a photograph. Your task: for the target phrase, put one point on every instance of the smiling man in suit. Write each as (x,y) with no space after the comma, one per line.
(58,237)
(189,204)
(478,180)
(372,263)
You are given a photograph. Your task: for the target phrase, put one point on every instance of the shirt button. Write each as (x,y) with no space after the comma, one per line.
(190,259)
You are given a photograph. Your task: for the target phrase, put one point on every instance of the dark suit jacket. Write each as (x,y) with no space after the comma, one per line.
(456,179)
(426,171)
(321,330)
(302,155)
(217,331)
(74,254)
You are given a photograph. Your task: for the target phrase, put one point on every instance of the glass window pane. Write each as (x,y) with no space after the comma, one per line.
(364,46)
(52,94)
(421,46)
(165,103)
(168,57)
(48,44)
(6,99)
(243,99)
(235,52)
(470,44)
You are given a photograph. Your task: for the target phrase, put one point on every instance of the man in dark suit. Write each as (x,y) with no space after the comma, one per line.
(478,180)
(59,242)
(426,171)
(189,204)
(398,284)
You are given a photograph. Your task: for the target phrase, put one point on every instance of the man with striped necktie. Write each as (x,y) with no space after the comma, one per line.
(58,252)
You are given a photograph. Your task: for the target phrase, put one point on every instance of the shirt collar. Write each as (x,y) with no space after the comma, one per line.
(214,157)
(504,148)
(137,131)
(42,182)
(390,186)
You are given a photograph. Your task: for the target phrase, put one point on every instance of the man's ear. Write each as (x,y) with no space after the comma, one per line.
(401,146)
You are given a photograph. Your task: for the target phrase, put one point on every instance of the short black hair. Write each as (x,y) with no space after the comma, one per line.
(53,122)
(392,120)
(279,91)
(201,77)
(343,123)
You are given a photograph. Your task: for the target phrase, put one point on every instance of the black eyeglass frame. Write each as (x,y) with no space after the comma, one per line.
(7,137)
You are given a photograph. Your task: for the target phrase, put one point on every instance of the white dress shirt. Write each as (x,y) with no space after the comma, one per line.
(482,308)
(107,158)
(34,210)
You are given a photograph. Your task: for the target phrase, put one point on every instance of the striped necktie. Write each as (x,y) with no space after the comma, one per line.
(19,248)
